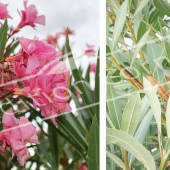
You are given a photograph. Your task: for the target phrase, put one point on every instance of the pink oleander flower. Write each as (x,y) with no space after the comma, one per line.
(45,79)
(83,167)
(90,50)
(93,68)
(15,136)
(70,32)
(53,39)
(3,11)
(34,55)
(30,17)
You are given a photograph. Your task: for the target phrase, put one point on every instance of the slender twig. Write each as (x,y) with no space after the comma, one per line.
(129,25)
(118,3)
(109,69)
(126,159)
(159,141)
(124,72)
(155,35)
(17,99)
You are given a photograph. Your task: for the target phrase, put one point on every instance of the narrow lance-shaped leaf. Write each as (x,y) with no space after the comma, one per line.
(93,150)
(129,143)
(3,38)
(165,39)
(11,50)
(142,29)
(162,6)
(57,131)
(116,159)
(131,115)
(45,152)
(119,23)
(145,106)
(154,15)
(114,108)
(155,57)
(140,44)
(109,121)
(79,80)
(71,130)
(97,87)
(153,100)
(55,147)
(140,6)
(141,132)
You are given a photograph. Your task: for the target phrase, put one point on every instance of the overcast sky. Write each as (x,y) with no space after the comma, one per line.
(81,15)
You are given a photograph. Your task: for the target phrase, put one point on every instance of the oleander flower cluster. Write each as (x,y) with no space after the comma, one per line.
(34,71)
(42,77)
(15,136)
(45,79)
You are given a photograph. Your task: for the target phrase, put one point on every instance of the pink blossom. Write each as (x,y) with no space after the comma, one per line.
(83,167)
(70,32)
(15,135)
(30,16)
(90,51)
(93,68)
(53,39)
(3,11)
(46,79)
(34,55)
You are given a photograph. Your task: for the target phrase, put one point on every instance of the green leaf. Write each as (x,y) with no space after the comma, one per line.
(141,132)
(145,12)
(97,87)
(79,81)
(140,6)
(162,6)
(54,147)
(136,70)
(119,23)
(155,55)
(11,50)
(109,121)
(114,108)
(87,77)
(132,145)
(141,30)
(168,118)
(156,154)
(165,39)
(65,124)
(3,38)
(145,106)
(64,135)
(116,159)
(131,115)
(93,150)
(154,15)
(153,100)
(77,123)
(44,151)
(140,44)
